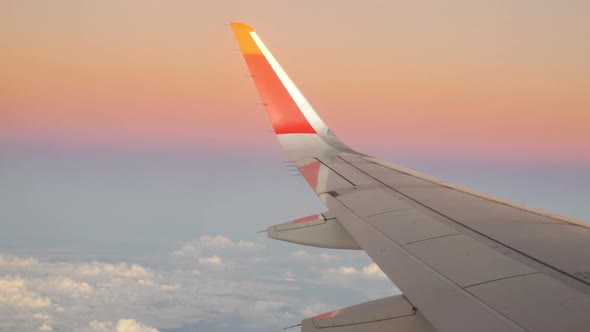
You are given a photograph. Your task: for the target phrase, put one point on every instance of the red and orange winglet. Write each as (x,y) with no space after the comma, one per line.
(284,113)
(242,33)
(327,315)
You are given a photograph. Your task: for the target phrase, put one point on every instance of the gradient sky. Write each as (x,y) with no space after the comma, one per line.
(130,133)
(494,80)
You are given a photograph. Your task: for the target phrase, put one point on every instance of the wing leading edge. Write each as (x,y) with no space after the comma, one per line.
(464,261)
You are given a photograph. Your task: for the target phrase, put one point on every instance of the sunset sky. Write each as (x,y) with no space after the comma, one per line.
(130,133)
(468,79)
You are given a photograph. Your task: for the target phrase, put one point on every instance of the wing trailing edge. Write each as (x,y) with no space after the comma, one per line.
(316,231)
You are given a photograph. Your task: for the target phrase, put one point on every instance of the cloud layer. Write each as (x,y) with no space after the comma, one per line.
(212,281)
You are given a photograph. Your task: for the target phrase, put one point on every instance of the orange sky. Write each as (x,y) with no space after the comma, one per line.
(507,78)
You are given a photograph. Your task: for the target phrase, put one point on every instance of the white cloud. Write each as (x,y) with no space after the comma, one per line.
(328,258)
(314,310)
(65,286)
(314,258)
(216,242)
(369,271)
(119,269)
(123,325)
(267,313)
(145,282)
(187,249)
(41,316)
(300,253)
(101,326)
(208,243)
(39,288)
(213,244)
(374,271)
(45,327)
(213,260)
(250,245)
(169,287)
(69,295)
(7,261)
(347,270)
(353,278)
(131,325)
(15,292)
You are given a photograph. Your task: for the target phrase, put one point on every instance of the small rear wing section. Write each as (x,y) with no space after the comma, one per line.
(315,231)
(392,313)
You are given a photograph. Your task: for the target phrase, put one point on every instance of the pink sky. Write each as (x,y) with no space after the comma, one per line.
(508,79)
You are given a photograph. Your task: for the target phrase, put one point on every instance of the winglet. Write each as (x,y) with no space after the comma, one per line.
(289,111)
(241,25)
(284,103)
(242,33)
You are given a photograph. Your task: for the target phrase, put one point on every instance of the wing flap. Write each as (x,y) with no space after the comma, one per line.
(392,313)
(315,231)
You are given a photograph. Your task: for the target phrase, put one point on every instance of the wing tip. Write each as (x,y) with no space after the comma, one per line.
(242,33)
(241,26)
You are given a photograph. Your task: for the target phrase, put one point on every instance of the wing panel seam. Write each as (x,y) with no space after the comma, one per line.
(472,229)
(498,279)
(435,271)
(432,238)
(473,194)
(330,168)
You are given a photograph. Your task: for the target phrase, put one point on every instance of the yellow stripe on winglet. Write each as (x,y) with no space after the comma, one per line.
(242,33)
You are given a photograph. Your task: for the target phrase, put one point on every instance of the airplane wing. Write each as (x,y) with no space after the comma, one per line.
(464,261)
